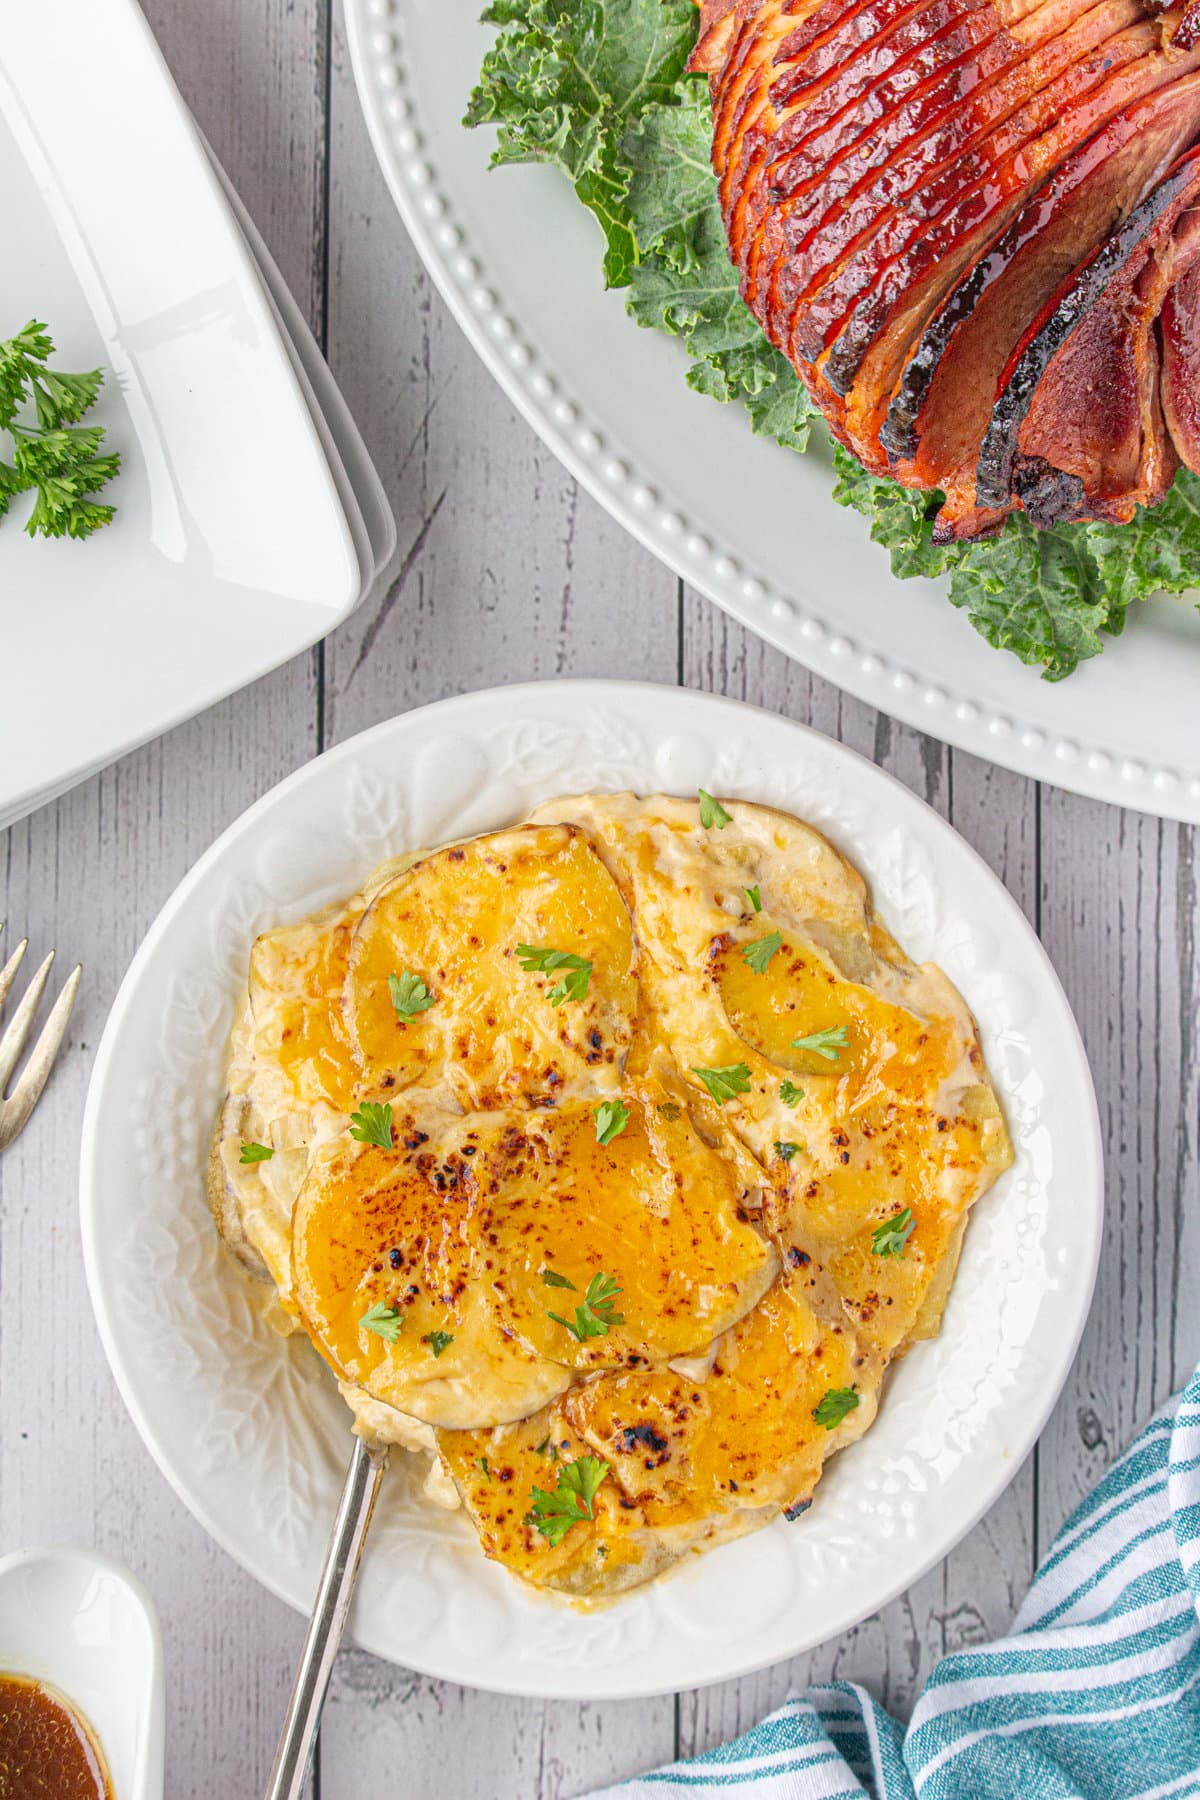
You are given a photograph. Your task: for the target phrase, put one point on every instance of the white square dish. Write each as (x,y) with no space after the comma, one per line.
(230,551)
(248,1426)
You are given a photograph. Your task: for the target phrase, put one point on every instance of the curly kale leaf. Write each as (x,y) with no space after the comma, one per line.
(566,78)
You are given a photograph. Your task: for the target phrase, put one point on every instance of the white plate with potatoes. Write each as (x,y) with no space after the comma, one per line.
(640,1245)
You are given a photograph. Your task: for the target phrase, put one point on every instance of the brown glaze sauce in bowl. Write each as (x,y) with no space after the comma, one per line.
(48,1751)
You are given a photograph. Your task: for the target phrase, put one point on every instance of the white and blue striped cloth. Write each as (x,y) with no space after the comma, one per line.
(1094,1696)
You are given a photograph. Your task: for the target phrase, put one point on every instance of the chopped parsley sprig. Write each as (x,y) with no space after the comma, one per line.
(790,1094)
(539,959)
(571,1503)
(891,1238)
(612,1116)
(594,1317)
(59,461)
(758,954)
(256,1153)
(828,1044)
(712,813)
(372,1124)
(410,996)
(727,1082)
(385,1321)
(835,1405)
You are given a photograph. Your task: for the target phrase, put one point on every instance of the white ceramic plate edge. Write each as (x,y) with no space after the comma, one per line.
(364,498)
(586,1684)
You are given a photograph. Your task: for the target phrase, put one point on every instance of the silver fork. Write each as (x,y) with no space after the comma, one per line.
(25,1095)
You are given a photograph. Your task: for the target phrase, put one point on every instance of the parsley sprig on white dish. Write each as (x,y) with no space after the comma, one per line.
(55,458)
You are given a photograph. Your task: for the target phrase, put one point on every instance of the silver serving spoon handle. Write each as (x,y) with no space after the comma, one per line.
(328,1621)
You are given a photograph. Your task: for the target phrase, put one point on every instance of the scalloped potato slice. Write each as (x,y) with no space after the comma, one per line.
(691,1462)
(302,1051)
(483,1228)
(291,1078)
(493,1033)
(881,1203)
(897,1114)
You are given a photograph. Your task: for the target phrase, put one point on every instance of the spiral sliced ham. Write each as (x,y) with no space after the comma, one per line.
(969,225)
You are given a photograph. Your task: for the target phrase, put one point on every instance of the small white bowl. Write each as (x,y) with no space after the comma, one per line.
(86,1626)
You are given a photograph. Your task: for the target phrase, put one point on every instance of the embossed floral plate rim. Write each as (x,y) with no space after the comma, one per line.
(248,1428)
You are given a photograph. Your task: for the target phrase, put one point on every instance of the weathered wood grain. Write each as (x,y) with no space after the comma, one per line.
(505,572)
(1119,918)
(88,874)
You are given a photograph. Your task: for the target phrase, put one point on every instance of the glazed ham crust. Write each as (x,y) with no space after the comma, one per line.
(969,226)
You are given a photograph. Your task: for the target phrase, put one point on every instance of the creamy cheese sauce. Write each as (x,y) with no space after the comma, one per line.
(889,1123)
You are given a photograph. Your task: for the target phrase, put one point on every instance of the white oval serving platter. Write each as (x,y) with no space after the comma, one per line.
(749,524)
(248,1428)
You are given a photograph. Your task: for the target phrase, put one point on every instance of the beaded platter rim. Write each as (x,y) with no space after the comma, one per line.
(1018,736)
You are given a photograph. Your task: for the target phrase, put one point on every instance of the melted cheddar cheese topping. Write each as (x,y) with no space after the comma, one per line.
(673,1155)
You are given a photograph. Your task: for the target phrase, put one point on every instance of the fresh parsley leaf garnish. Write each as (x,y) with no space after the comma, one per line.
(712,812)
(372,1124)
(612,1116)
(537,959)
(483,1464)
(571,1503)
(256,1153)
(834,1406)
(724,1083)
(828,1044)
(58,460)
(790,1094)
(385,1321)
(410,996)
(595,1317)
(759,954)
(542,1448)
(670,1111)
(785,1149)
(891,1238)
(755,899)
(438,1340)
(552,1278)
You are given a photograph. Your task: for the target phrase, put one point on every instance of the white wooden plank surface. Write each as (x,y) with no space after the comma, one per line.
(505,572)
(88,875)
(517,577)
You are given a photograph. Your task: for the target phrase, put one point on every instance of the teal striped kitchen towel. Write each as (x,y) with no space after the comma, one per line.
(1094,1696)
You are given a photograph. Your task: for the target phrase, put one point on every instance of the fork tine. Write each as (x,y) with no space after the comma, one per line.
(25,1096)
(8,974)
(13,1041)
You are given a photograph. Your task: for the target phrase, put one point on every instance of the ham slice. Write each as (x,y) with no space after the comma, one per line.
(942,405)
(962,220)
(1077,430)
(1180,342)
